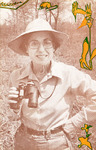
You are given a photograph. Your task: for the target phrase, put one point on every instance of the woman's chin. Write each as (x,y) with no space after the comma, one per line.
(42,61)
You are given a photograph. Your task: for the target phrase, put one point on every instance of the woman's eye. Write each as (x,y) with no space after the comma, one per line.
(34,43)
(47,42)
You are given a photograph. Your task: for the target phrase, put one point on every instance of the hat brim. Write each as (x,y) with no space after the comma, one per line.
(18,45)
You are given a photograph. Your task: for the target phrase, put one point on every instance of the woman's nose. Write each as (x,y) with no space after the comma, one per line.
(41,48)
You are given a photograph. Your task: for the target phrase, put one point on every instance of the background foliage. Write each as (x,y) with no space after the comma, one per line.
(69,53)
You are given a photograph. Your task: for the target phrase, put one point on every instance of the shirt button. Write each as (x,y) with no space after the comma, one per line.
(41,89)
(48,75)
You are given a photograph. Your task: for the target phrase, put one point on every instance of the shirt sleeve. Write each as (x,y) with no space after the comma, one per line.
(13,82)
(83,85)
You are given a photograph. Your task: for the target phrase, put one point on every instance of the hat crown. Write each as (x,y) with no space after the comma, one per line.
(38,25)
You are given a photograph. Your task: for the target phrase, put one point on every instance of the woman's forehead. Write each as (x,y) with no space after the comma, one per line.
(40,35)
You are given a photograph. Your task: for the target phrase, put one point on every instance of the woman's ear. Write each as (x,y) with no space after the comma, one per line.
(54,47)
(26,47)
(27,51)
(54,50)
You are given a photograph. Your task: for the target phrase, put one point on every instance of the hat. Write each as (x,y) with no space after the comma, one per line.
(37,25)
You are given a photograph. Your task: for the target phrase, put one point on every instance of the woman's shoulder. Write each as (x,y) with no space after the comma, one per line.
(68,69)
(16,75)
(62,66)
(18,72)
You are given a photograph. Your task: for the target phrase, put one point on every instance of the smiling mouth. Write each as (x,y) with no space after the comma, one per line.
(42,56)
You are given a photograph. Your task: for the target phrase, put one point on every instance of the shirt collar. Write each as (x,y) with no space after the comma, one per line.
(27,71)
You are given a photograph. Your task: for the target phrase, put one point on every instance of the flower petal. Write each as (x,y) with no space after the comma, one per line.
(84,23)
(93,54)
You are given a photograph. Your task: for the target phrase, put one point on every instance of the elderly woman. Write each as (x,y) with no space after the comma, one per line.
(44,91)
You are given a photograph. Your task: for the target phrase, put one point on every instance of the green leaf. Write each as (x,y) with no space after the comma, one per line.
(87,135)
(89,126)
(86,40)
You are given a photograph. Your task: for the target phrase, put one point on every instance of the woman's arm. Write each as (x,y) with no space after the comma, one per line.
(83,85)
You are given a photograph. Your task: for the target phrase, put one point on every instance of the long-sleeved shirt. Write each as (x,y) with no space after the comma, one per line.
(58,90)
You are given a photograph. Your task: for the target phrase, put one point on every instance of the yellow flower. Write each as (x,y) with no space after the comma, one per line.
(75,10)
(84,141)
(93,54)
(86,21)
(83,62)
(85,128)
(88,9)
(89,21)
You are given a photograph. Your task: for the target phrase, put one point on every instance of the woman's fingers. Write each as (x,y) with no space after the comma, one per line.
(13,94)
(13,101)
(14,98)
(13,88)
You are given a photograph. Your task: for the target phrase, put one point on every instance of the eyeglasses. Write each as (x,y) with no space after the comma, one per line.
(35,44)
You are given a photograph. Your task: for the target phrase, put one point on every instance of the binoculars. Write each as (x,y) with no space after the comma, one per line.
(29,92)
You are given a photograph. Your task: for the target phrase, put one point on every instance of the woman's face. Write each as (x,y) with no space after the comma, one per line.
(40,48)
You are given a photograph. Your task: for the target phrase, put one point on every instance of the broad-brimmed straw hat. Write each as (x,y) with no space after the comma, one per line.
(37,25)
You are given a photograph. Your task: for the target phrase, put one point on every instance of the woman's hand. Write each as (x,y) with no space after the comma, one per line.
(69,129)
(14,98)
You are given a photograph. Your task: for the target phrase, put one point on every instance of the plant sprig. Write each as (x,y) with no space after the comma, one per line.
(86,48)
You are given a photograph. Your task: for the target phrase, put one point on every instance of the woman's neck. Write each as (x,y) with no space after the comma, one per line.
(40,70)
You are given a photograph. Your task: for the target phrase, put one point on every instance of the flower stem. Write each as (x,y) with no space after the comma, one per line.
(90,47)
